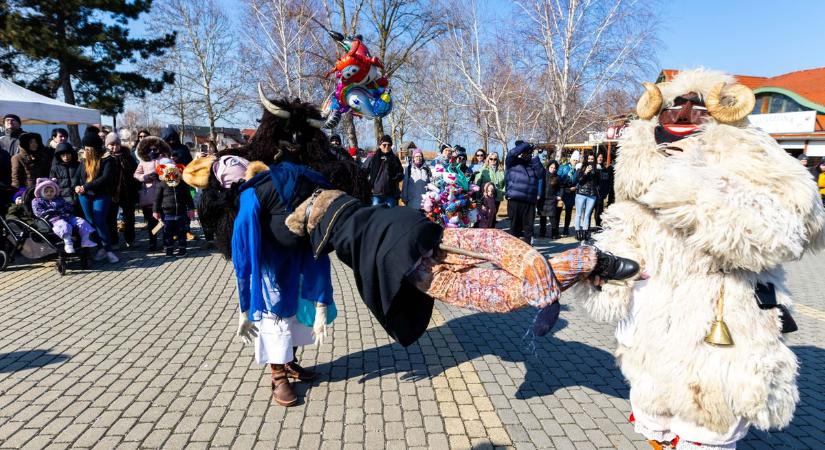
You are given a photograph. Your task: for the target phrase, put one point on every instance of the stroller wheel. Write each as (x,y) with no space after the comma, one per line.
(61,266)
(4,259)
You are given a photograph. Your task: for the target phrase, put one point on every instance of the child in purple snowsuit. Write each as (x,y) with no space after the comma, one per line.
(50,206)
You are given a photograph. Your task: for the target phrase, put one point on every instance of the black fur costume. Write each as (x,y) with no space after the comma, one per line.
(382,245)
(278,139)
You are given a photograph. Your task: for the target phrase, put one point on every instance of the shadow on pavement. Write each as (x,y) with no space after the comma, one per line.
(549,363)
(809,416)
(554,364)
(28,359)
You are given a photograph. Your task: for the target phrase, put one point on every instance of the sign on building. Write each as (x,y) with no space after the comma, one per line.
(793,122)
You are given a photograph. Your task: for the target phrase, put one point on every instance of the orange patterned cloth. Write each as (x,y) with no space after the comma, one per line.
(515,276)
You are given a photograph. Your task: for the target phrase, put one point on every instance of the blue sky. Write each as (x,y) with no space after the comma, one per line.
(759,37)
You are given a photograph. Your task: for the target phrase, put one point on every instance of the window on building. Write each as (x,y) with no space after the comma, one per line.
(776,103)
(758,107)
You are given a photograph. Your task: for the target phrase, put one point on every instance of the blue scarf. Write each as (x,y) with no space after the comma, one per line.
(285,177)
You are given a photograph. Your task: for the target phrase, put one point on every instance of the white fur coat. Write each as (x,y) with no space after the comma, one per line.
(730,211)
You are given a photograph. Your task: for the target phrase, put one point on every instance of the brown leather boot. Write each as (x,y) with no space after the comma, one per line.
(296,372)
(282,391)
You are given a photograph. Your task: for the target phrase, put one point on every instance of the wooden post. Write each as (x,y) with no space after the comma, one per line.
(609,151)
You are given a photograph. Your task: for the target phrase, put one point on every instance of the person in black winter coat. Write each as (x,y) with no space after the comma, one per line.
(175,207)
(385,174)
(180,152)
(552,189)
(125,193)
(522,191)
(587,192)
(66,170)
(605,189)
(98,174)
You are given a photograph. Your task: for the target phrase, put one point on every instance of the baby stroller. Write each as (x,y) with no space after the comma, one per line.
(21,232)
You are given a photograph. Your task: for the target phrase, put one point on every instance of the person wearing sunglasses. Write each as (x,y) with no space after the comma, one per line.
(478,161)
(492,172)
(385,173)
(142,134)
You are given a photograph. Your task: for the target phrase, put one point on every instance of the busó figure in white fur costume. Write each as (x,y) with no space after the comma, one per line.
(711,208)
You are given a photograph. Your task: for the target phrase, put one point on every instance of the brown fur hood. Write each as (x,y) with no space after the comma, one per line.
(147,143)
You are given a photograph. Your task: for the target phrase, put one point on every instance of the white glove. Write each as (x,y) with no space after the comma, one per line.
(319,328)
(247,330)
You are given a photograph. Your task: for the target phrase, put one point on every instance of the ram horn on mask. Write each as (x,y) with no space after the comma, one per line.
(271,107)
(650,103)
(730,103)
(330,122)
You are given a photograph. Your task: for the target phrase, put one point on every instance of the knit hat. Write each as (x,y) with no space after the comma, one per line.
(63,148)
(575,156)
(92,140)
(335,138)
(229,169)
(353,151)
(12,116)
(43,183)
(802,157)
(196,173)
(385,138)
(417,151)
(112,138)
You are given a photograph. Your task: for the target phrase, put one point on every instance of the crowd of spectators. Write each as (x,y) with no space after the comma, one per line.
(101,183)
(532,185)
(105,182)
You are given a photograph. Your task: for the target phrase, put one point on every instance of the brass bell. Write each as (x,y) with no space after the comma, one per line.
(719,334)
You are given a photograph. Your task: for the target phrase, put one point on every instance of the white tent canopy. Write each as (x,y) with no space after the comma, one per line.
(34,108)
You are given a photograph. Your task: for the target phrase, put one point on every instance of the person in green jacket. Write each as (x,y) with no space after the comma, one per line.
(492,172)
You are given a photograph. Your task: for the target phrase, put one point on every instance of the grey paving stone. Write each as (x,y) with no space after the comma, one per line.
(168,373)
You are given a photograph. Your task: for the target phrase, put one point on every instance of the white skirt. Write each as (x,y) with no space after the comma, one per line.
(660,428)
(277,337)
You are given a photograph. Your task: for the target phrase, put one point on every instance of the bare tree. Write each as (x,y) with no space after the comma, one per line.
(582,48)
(402,28)
(208,70)
(285,45)
(177,99)
(497,95)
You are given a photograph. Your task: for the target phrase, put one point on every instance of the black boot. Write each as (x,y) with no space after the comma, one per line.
(611,267)
(586,236)
(295,371)
(579,235)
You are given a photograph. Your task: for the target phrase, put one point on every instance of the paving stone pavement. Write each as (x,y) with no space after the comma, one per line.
(141,354)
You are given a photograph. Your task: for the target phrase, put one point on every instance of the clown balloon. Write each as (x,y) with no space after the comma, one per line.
(361,89)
